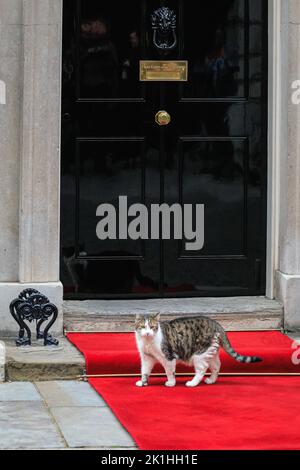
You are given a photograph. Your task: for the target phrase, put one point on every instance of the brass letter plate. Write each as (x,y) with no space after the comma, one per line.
(163,71)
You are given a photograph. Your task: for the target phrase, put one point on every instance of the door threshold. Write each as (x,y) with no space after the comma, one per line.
(234,313)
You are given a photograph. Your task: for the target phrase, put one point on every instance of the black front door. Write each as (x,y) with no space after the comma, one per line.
(212,152)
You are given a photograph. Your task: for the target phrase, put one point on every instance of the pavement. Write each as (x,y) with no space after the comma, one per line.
(58,415)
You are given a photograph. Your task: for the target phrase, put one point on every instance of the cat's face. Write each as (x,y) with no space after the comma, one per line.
(147,326)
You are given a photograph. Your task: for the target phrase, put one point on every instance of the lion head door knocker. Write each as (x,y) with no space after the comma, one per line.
(163,23)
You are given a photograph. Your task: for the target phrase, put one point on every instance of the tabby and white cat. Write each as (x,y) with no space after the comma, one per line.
(194,341)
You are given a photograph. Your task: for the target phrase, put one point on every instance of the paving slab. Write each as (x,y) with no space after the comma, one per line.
(69,393)
(27,425)
(91,427)
(18,391)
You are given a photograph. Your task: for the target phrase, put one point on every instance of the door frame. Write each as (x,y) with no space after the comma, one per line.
(276,44)
(30,200)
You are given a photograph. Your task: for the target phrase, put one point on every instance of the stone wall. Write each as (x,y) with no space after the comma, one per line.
(10,114)
(288,275)
(30,66)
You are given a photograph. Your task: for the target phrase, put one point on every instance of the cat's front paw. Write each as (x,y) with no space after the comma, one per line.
(191,383)
(140,383)
(170,383)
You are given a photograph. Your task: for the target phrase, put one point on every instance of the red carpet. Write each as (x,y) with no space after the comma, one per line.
(238,413)
(116,353)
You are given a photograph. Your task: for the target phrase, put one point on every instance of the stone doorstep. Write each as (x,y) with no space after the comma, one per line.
(38,363)
(234,313)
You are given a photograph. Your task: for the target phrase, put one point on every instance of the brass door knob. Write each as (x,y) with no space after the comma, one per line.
(162,118)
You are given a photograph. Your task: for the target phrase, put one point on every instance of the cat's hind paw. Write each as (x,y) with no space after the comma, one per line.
(170,383)
(210,381)
(140,383)
(191,383)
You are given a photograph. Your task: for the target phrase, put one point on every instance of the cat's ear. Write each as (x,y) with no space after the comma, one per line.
(156,316)
(137,317)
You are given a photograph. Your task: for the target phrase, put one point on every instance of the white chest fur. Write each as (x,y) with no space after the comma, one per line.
(151,345)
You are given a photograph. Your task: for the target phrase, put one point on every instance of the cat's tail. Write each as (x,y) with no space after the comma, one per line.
(238,357)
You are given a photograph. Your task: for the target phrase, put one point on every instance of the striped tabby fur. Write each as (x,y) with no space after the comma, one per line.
(194,340)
